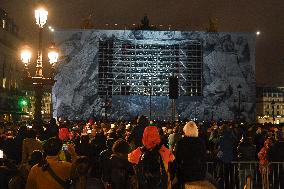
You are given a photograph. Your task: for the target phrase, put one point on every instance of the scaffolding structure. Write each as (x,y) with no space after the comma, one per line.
(135,67)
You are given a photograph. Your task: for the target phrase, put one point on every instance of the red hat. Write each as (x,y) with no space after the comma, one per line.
(91,121)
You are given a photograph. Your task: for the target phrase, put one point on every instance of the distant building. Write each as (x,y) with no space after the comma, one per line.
(269,104)
(10,69)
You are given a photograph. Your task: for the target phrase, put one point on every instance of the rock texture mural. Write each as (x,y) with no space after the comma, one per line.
(228,77)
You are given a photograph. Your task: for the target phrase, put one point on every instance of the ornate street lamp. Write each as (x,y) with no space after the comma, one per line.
(38,81)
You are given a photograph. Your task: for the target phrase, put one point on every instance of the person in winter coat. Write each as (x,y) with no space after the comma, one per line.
(259,138)
(83,147)
(104,160)
(225,156)
(79,172)
(246,152)
(151,140)
(191,158)
(8,169)
(120,170)
(276,154)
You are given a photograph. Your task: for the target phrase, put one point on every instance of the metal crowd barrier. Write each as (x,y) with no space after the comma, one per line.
(238,174)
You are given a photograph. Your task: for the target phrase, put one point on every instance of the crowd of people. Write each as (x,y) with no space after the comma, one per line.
(141,154)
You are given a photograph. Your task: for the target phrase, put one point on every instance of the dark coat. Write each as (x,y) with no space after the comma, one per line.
(258,141)
(137,132)
(9,148)
(136,135)
(120,171)
(246,151)
(104,160)
(226,147)
(276,152)
(191,159)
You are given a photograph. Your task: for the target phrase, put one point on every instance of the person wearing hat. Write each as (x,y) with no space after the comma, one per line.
(191,159)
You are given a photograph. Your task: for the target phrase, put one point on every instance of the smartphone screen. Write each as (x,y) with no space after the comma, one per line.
(64,147)
(1,154)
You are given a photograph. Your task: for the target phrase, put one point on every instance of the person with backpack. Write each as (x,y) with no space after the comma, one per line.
(152,161)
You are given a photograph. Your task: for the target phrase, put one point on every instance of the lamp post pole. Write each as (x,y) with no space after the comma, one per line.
(38,86)
(239,103)
(38,105)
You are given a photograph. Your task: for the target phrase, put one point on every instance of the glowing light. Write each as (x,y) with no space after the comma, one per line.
(41,16)
(26,54)
(51,28)
(53,54)
(258,33)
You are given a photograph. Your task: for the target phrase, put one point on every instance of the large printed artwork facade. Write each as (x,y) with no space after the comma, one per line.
(228,83)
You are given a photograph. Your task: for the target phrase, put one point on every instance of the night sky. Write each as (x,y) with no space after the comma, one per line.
(233,16)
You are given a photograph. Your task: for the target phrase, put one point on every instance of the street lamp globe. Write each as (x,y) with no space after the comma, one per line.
(41,16)
(53,54)
(26,55)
